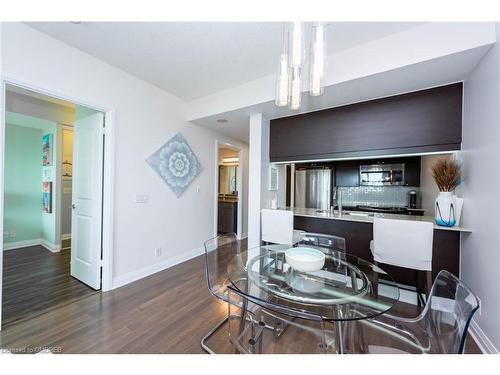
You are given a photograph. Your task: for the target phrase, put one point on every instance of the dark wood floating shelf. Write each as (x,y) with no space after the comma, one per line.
(417,122)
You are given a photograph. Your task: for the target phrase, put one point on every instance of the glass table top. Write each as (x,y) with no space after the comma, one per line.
(345,288)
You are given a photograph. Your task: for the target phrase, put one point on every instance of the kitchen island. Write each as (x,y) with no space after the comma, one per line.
(357,229)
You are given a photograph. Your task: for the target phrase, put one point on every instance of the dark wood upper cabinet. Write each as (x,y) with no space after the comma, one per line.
(412,170)
(421,121)
(347,174)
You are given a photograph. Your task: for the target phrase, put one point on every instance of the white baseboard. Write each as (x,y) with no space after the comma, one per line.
(484,343)
(36,242)
(243,236)
(20,244)
(154,268)
(66,236)
(51,246)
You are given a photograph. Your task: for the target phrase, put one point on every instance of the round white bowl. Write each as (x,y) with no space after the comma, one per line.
(305,259)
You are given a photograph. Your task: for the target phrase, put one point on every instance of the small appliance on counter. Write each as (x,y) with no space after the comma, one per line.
(412,198)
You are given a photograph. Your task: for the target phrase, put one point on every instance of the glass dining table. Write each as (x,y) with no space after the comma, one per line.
(346,288)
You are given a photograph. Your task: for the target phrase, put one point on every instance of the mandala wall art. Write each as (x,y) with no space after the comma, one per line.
(176,164)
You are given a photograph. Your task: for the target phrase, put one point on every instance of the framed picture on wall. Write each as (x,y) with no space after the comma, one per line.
(47,196)
(47,147)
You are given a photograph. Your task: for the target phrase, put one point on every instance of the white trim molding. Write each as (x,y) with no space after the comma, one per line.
(66,236)
(20,244)
(55,248)
(154,268)
(484,343)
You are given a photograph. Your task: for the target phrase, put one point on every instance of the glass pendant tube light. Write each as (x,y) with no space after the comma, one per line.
(283,78)
(297,44)
(296,60)
(317,61)
(289,78)
(296,88)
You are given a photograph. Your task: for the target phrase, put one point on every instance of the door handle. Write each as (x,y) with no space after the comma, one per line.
(73,206)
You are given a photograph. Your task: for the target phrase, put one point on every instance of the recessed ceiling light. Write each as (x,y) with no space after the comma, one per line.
(222,121)
(75,22)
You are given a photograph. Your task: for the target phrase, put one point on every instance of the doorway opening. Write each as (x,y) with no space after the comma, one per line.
(229,194)
(53,203)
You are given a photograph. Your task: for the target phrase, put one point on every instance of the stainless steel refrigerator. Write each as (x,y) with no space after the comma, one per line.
(312,188)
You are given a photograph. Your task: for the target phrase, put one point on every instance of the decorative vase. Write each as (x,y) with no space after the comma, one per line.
(445,209)
(458,204)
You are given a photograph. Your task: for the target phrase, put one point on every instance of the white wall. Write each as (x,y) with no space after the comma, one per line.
(480,251)
(146,117)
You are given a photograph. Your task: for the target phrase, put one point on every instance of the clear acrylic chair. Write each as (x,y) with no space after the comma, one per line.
(331,245)
(302,332)
(440,328)
(224,255)
(323,242)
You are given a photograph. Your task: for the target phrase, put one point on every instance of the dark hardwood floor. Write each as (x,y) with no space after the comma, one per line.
(168,312)
(36,280)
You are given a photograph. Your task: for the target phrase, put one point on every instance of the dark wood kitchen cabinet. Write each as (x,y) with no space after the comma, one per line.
(227,217)
(412,170)
(422,121)
(347,173)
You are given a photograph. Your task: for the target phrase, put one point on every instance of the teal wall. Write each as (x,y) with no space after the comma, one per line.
(23,183)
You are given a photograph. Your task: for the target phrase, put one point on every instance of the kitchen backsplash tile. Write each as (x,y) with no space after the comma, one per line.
(394,196)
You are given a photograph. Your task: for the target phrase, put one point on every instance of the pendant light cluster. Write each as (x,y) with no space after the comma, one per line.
(289,80)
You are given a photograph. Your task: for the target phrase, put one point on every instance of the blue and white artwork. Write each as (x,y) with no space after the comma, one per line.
(176,164)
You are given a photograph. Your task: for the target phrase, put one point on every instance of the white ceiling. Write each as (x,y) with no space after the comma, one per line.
(196,59)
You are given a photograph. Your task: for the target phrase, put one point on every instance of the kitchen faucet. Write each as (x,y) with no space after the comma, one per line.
(338,199)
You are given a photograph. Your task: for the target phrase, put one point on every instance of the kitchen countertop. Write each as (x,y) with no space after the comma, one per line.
(365,217)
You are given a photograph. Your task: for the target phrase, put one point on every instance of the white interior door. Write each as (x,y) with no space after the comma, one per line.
(86,217)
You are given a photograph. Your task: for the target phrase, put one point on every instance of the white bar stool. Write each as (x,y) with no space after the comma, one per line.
(404,243)
(277,227)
